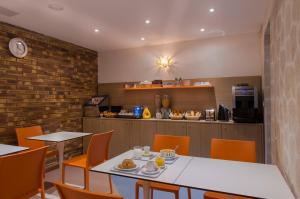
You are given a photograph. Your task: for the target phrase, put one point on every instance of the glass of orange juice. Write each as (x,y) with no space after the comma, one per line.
(160,161)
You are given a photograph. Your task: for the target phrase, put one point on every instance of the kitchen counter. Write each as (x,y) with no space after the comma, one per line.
(169,120)
(140,132)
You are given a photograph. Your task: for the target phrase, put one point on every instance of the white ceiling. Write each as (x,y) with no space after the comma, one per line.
(121,22)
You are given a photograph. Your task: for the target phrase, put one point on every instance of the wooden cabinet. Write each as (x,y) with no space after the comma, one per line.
(171,128)
(246,132)
(120,140)
(201,135)
(130,133)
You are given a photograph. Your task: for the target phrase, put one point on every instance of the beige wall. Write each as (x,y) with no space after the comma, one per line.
(285,90)
(184,99)
(227,56)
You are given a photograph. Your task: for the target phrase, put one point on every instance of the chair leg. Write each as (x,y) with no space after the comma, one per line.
(176,194)
(43,191)
(137,191)
(63,174)
(189,193)
(110,184)
(152,193)
(43,195)
(86,179)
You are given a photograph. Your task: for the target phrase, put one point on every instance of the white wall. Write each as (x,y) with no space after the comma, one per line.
(228,56)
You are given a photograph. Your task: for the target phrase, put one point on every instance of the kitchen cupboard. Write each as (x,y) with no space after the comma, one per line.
(201,135)
(129,133)
(246,132)
(171,128)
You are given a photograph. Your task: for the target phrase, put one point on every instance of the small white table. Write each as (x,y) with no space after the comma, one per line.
(168,176)
(59,138)
(238,178)
(231,177)
(6,149)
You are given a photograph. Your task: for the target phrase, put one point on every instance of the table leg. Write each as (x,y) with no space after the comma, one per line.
(146,189)
(60,147)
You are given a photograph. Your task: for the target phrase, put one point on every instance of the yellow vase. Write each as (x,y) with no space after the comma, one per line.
(146,113)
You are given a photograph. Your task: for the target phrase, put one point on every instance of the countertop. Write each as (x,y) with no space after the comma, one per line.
(169,120)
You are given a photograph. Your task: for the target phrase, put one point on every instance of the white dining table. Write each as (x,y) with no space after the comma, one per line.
(6,149)
(59,138)
(232,177)
(168,176)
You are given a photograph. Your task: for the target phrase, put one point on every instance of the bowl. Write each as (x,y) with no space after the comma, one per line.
(192,117)
(167,153)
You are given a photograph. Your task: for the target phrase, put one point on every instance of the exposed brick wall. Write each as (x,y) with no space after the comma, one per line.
(48,87)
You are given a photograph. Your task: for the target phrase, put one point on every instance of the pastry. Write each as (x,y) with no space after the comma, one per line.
(127,164)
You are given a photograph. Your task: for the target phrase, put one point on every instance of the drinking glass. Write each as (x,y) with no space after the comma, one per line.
(137,152)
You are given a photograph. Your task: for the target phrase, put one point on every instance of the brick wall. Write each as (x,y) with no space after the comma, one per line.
(48,87)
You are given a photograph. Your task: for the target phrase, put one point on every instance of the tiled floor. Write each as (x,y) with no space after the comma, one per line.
(99,183)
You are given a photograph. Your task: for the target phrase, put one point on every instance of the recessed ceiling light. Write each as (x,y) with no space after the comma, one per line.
(147,21)
(202,29)
(143,38)
(211,10)
(56,6)
(96,30)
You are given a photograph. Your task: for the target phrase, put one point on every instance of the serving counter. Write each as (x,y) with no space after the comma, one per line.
(140,132)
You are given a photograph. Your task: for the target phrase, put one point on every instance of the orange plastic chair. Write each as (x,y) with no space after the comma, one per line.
(97,153)
(236,150)
(67,192)
(182,143)
(22,174)
(24,133)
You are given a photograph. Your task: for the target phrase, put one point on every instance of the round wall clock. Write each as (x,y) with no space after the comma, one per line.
(18,47)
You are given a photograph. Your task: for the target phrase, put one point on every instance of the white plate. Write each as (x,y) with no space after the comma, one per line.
(147,154)
(170,158)
(131,169)
(144,170)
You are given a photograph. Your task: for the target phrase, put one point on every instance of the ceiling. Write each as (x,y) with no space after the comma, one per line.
(122,22)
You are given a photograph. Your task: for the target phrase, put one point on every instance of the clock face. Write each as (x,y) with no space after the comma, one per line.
(18,47)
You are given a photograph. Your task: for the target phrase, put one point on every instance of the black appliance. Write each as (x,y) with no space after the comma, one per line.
(245,104)
(223,113)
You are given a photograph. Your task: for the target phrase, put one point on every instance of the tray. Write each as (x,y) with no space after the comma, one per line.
(139,172)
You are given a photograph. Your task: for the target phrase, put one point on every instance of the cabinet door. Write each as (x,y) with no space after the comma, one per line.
(147,132)
(171,128)
(90,125)
(120,140)
(201,135)
(134,133)
(141,133)
(246,132)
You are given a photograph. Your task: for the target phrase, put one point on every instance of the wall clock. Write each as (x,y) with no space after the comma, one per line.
(18,47)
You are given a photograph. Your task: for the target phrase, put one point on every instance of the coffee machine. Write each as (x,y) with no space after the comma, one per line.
(245,104)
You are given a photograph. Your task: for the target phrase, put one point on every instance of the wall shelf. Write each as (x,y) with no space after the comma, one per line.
(168,87)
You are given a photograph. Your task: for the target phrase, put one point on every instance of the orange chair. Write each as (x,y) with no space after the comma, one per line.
(67,192)
(182,143)
(236,150)
(21,174)
(23,133)
(97,153)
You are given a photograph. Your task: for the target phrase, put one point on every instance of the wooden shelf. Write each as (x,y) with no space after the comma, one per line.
(169,87)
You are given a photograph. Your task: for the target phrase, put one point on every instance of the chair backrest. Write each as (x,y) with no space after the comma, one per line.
(23,133)
(182,143)
(98,148)
(237,150)
(67,192)
(22,174)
